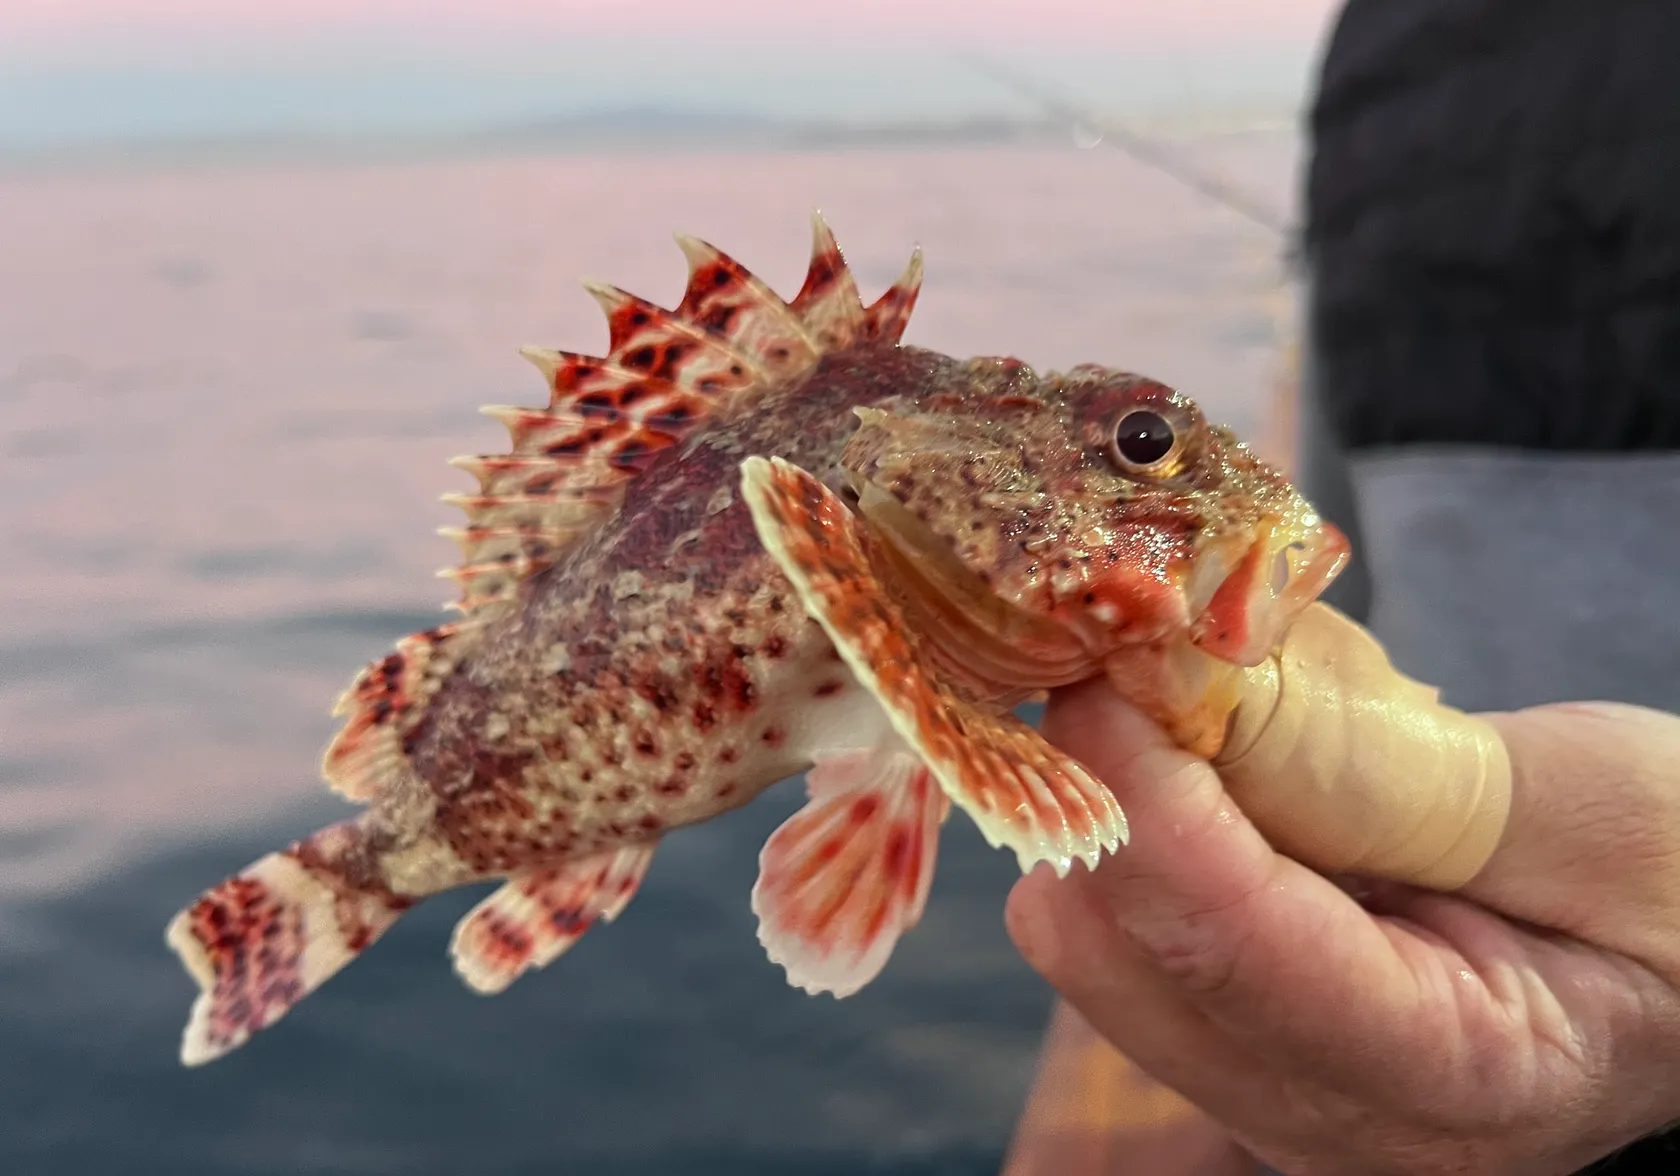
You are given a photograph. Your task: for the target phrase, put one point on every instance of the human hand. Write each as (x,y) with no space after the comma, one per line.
(1527,1023)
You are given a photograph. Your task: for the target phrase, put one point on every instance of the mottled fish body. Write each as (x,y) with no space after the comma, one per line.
(649,639)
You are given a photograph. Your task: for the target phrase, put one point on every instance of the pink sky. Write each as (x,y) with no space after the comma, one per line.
(1133,23)
(108,70)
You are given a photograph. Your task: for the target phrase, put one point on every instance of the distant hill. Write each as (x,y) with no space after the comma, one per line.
(627,128)
(632,122)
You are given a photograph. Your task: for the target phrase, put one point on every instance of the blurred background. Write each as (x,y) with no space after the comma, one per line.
(259,265)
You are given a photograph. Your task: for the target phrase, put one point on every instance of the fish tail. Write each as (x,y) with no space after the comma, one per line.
(267,937)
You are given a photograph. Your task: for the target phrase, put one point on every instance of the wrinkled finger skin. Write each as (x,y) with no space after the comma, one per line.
(1528,1023)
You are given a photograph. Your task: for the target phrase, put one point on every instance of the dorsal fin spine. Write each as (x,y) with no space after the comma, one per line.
(889,314)
(631,319)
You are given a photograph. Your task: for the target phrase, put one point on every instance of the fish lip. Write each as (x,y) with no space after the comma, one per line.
(1325,554)
(1276,575)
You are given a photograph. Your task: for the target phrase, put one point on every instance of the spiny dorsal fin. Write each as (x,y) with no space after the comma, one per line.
(727,297)
(607,419)
(829,306)
(888,315)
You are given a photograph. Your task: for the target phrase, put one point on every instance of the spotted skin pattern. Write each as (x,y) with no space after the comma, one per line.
(252,988)
(261,941)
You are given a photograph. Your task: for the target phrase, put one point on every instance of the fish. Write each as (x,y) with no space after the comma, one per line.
(685,581)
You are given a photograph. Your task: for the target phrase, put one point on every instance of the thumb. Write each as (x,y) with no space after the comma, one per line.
(1186,948)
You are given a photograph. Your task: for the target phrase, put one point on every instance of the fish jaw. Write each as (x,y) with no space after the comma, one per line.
(1283,571)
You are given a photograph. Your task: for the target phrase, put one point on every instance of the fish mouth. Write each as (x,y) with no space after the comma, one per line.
(976,630)
(1283,570)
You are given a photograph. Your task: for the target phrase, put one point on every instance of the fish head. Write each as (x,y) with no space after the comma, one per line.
(1049,522)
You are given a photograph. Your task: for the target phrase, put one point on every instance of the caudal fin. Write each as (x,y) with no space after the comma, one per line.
(276,931)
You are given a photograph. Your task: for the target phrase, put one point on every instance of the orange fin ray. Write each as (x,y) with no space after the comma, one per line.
(1022,792)
(843,878)
(266,938)
(538,913)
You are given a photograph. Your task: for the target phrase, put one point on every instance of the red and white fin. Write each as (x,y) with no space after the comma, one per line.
(829,306)
(846,875)
(272,934)
(885,319)
(538,913)
(1022,792)
(728,298)
(382,704)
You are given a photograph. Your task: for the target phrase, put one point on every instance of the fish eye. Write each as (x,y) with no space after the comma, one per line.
(1142,439)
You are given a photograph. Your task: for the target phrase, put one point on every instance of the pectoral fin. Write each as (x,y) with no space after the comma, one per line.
(1022,792)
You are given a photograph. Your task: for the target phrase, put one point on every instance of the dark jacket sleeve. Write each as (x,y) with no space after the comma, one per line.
(1493,246)
(1493,223)
(1321,473)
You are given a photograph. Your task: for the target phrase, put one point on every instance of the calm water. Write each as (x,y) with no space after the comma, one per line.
(226,398)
